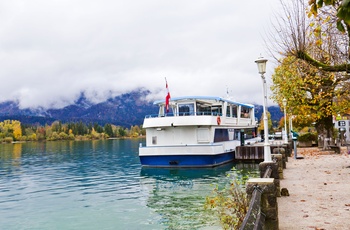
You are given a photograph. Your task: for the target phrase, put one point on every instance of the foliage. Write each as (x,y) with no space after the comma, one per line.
(12,130)
(230,203)
(316,34)
(312,95)
(342,8)
(8,139)
(269,122)
(306,137)
(281,123)
(314,41)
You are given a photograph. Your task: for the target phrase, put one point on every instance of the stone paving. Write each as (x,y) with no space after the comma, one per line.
(319,191)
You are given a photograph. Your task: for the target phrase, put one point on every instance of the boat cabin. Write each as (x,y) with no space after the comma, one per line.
(196,131)
(205,106)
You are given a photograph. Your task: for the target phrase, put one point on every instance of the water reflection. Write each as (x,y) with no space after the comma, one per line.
(178,195)
(59,185)
(182,173)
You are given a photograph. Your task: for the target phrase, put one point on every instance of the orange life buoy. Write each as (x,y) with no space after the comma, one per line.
(218,120)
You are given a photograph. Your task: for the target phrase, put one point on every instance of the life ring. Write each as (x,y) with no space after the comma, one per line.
(218,120)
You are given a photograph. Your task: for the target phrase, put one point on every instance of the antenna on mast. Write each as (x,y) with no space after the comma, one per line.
(228,93)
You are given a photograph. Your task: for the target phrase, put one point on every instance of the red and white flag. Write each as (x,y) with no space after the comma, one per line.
(167,98)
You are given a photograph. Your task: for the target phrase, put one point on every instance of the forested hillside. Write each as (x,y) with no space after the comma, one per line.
(125,110)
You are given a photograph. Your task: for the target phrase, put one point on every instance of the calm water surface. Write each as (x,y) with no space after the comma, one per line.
(101,185)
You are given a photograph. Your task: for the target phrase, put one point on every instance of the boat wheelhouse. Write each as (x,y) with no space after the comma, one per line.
(199,131)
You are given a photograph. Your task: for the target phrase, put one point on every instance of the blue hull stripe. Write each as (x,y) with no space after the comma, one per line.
(187,160)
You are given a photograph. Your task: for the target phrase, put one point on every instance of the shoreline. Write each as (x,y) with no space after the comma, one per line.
(111,138)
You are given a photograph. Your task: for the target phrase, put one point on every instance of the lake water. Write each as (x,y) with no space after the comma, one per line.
(101,185)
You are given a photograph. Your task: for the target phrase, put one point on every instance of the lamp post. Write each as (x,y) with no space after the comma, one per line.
(291,125)
(284,102)
(261,62)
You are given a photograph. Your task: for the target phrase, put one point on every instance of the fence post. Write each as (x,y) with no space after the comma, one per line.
(268,200)
(274,174)
(281,151)
(278,158)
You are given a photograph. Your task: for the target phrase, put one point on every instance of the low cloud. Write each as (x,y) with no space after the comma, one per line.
(51,51)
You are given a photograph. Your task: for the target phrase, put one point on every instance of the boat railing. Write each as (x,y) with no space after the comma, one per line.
(184,114)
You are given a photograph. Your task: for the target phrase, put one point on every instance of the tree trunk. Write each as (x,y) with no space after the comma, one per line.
(324,127)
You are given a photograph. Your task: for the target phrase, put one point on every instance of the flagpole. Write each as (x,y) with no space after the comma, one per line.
(167,98)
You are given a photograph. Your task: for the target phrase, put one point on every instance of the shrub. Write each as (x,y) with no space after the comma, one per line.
(63,136)
(230,203)
(307,137)
(8,139)
(71,136)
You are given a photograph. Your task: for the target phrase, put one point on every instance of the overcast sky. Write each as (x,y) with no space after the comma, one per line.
(51,50)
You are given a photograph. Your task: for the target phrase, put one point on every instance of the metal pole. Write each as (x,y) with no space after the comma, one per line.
(291,125)
(295,149)
(267,149)
(285,127)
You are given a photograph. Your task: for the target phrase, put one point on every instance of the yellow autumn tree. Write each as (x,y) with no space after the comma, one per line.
(313,75)
(269,122)
(11,129)
(94,134)
(313,95)
(17,130)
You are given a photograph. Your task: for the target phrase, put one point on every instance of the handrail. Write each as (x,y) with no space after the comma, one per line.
(185,114)
(268,172)
(254,218)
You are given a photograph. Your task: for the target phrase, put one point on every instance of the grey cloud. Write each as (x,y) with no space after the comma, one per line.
(50,51)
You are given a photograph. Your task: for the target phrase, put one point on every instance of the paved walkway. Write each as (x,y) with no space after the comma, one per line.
(319,188)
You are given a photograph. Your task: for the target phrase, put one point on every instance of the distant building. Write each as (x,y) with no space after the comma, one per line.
(342,124)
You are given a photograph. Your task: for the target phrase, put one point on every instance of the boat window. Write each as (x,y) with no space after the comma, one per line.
(221,135)
(245,112)
(161,111)
(154,140)
(234,110)
(228,111)
(186,109)
(203,109)
(216,110)
(248,133)
(237,136)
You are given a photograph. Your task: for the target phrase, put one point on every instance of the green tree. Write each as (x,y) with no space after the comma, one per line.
(122,132)
(56,126)
(108,130)
(98,128)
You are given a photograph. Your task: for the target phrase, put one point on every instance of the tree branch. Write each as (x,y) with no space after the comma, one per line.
(329,68)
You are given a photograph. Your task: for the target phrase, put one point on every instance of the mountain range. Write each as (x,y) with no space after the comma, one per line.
(125,110)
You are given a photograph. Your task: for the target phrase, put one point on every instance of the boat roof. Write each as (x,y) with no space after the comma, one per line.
(202,98)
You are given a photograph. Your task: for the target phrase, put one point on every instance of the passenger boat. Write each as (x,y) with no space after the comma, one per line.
(200,131)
